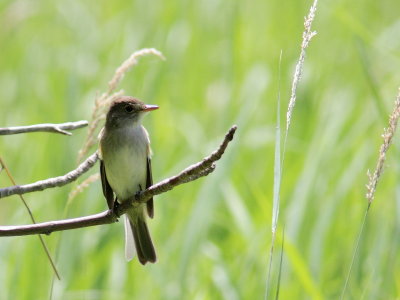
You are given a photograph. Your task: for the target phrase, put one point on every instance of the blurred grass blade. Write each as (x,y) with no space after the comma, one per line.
(369,75)
(278,164)
(277,180)
(200,217)
(278,285)
(302,272)
(355,252)
(46,250)
(239,211)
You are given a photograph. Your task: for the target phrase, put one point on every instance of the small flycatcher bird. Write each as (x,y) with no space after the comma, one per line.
(125,168)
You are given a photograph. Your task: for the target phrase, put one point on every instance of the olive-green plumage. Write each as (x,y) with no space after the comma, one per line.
(125,169)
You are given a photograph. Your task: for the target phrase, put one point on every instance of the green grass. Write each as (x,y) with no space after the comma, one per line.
(212,236)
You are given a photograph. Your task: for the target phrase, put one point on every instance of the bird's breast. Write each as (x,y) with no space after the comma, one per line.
(125,160)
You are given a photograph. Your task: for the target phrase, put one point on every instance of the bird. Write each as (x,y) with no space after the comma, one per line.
(125,169)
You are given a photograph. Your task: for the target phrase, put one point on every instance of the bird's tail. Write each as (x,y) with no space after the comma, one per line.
(137,235)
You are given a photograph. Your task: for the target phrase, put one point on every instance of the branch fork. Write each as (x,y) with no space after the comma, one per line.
(48,127)
(191,173)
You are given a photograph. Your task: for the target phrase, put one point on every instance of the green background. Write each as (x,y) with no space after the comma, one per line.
(212,236)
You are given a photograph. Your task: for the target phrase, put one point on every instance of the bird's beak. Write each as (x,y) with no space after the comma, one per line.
(149,107)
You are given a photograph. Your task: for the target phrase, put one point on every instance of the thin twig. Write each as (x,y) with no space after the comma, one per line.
(51,182)
(42,242)
(48,127)
(193,172)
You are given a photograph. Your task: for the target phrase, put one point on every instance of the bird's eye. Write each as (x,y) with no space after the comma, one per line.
(129,108)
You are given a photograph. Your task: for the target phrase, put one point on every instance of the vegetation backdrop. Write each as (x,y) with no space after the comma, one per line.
(212,236)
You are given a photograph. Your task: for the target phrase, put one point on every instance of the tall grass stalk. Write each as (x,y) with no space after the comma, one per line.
(388,134)
(277,179)
(308,34)
(280,266)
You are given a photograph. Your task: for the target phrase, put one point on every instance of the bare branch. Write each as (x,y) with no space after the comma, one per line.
(105,217)
(193,172)
(42,242)
(51,182)
(48,127)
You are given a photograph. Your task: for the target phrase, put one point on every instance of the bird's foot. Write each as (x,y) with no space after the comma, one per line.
(115,208)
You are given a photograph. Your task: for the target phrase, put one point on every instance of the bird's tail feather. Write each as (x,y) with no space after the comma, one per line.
(129,241)
(141,239)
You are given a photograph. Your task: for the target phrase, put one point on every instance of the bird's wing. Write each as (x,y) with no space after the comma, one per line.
(149,183)
(107,190)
